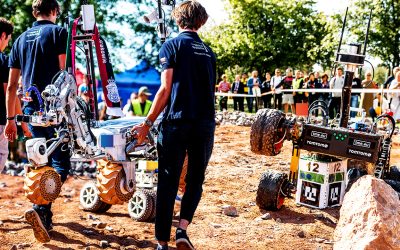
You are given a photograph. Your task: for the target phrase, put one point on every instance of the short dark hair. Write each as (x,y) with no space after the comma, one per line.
(6,26)
(44,7)
(190,15)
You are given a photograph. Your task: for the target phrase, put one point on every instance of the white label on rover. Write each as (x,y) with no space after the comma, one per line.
(320,135)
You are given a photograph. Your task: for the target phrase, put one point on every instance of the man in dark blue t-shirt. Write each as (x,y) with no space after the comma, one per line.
(38,54)
(187,97)
(6,28)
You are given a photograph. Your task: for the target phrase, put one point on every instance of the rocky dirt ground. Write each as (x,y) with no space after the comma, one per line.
(232,179)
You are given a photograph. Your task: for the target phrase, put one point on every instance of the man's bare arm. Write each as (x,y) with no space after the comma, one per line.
(159,103)
(11,93)
(162,96)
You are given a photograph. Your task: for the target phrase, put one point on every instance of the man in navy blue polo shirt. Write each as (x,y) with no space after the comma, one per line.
(187,97)
(38,54)
(6,28)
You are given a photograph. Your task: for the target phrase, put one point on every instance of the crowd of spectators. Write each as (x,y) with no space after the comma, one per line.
(272,92)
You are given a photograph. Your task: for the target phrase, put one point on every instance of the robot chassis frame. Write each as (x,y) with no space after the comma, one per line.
(120,161)
(369,144)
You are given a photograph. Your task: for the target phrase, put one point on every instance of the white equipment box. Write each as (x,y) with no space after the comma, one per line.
(321,184)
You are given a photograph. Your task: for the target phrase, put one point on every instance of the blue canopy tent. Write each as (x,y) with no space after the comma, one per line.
(132,79)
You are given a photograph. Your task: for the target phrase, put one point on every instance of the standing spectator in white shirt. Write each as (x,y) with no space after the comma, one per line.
(336,82)
(275,80)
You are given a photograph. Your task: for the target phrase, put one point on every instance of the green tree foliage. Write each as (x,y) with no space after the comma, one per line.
(265,34)
(145,43)
(384,36)
(20,13)
(380,75)
(149,44)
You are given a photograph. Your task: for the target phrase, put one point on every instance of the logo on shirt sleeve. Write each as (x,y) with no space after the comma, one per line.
(163,60)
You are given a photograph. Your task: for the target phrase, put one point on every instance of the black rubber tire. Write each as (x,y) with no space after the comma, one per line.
(153,195)
(353,174)
(104,208)
(394,184)
(90,199)
(265,131)
(269,195)
(394,174)
(140,206)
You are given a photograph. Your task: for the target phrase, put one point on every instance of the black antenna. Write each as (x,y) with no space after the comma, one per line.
(343,27)
(366,35)
(161,26)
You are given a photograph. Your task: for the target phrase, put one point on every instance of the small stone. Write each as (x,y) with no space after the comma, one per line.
(23,245)
(12,173)
(3,185)
(114,245)
(319,240)
(301,234)
(266,216)
(110,229)
(104,244)
(87,232)
(22,173)
(258,219)
(67,200)
(278,220)
(230,211)
(87,248)
(99,224)
(215,225)
(14,247)
(91,217)
(1,223)
(14,218)
(252,204)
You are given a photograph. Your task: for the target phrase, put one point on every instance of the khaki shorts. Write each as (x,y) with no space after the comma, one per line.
(287,99)
(3,148)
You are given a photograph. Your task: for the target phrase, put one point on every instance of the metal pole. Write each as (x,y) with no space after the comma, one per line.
(346,97)
(366,35)
(343,27)
(161,21)
(91,78)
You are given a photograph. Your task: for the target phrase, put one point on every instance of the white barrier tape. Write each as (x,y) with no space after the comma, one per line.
(353,91)
(235,95)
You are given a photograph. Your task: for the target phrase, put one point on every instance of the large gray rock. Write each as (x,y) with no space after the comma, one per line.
(369,217)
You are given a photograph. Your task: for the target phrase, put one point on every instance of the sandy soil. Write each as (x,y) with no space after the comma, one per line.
(232,179)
